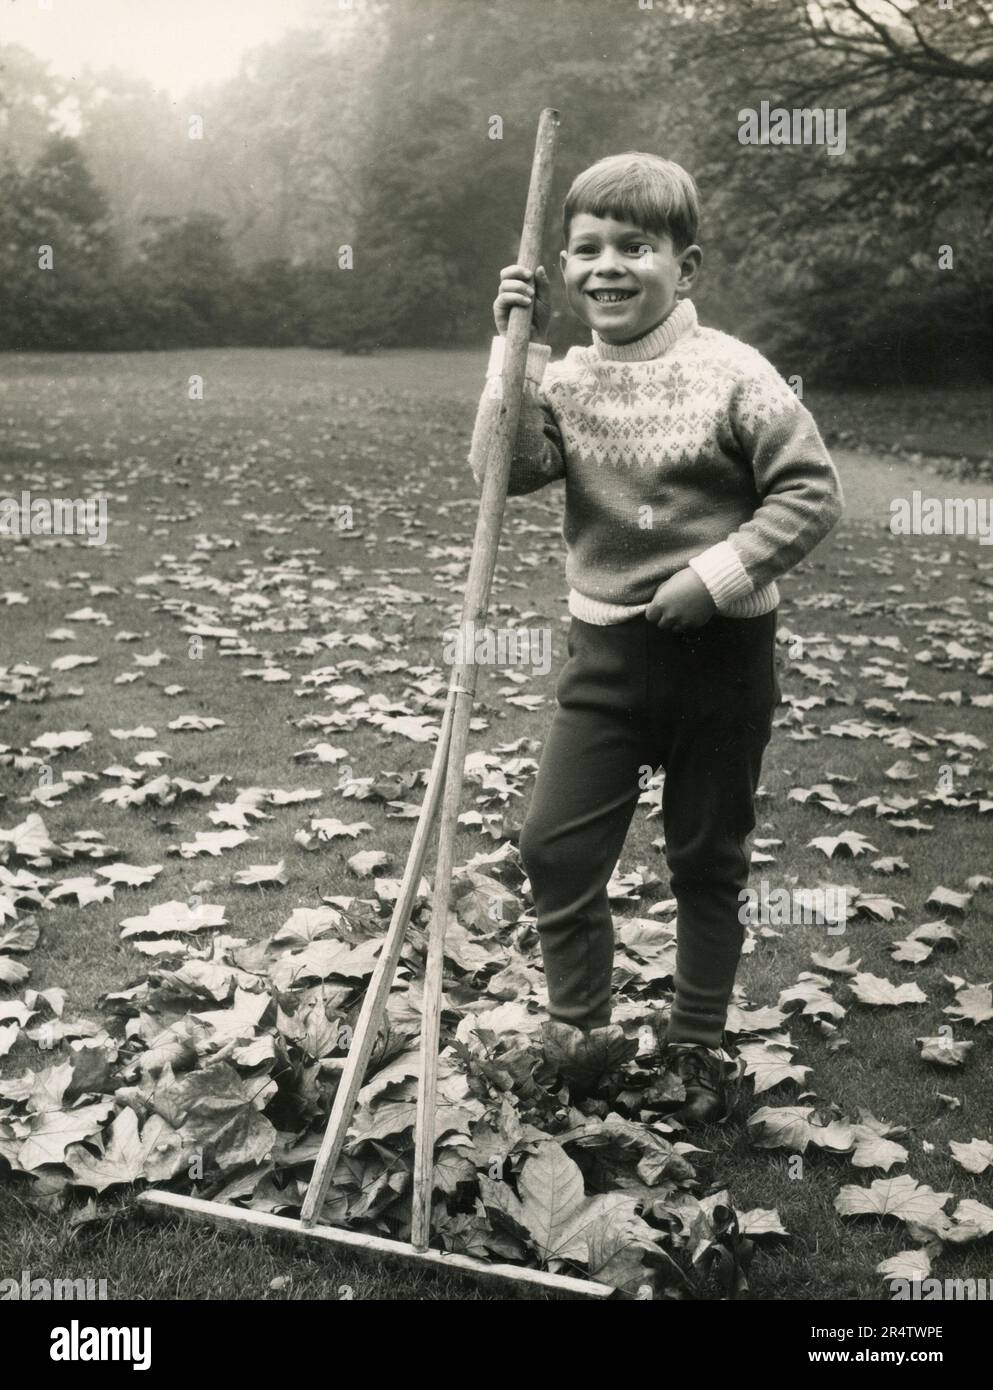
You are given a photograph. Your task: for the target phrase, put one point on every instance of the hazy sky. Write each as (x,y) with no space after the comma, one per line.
(175,44)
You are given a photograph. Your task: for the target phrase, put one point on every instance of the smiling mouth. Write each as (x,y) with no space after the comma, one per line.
(611,296)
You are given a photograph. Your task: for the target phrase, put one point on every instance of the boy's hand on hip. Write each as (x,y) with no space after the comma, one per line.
(681,603)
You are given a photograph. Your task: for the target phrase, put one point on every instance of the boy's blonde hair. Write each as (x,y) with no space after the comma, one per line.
(654,193)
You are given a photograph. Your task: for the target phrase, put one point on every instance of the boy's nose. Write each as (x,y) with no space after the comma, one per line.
(607,263)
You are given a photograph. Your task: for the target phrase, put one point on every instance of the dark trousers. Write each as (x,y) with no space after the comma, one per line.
(631,699)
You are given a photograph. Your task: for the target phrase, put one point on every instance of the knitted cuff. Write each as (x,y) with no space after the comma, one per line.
(723,573)
(601,614)
(538,357)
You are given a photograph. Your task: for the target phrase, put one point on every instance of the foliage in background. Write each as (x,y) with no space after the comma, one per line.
(373,132)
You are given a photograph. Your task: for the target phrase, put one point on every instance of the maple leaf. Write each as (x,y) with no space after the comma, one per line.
(503,1019)
(306,924)
(947,897)
(322,753)
(761,1221)
(919,944)
(20,937)
(221,1111)
(840,963)
(975,1214)
(401,1068)
(12,972)
(174,916)
(486,903)
(942,1050)
(57,743)
(890,864)
(278,797)
(770,1065)
(974,1157)
(30,839)
(902,771)
(974,1003)
(194,723)
(616,1242)
(876,905)
(761,1020)
(16,1009)
(791,1127)
(395,1117)
(500,1200)
(367,861)
(241,1019)
(261,873)
(471,953)
(387,890)
(903,1197)
(872,1147)
(850,841)
(419,728)
(815,998)
(213,842)
(158,1154)
(131,874)
(85,890)
(322,959)
(912,1265)
(333,829)
(52,1131)
(874,989)
(88,615)
(71,660)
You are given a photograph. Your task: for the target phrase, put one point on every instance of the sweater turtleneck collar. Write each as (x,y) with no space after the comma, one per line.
(680,320)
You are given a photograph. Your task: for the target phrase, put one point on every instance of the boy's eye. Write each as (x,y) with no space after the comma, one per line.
(636,248)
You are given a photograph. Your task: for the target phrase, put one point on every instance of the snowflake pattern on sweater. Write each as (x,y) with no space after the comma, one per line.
(690,428)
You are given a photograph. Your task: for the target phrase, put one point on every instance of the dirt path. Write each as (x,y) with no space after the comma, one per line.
(871,482)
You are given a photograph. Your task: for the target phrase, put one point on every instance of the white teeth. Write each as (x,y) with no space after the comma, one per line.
(611,296)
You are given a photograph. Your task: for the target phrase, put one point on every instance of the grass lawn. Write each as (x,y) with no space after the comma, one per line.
(222,519)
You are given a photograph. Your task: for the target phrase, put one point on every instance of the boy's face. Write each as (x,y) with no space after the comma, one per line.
(622,280)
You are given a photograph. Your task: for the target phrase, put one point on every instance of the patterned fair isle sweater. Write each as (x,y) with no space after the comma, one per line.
(685,447)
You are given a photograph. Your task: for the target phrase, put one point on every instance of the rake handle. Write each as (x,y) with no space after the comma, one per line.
(378,993)
(498,454)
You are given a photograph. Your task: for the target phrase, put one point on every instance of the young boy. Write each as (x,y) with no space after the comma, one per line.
(694,479)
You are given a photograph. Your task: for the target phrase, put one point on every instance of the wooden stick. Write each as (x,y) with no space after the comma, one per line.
(474,609)
(218,1213)
(377,995)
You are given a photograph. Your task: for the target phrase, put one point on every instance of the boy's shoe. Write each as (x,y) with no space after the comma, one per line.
(702,1071)
(588,1062)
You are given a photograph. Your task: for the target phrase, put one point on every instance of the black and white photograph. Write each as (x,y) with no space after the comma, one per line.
(496,595)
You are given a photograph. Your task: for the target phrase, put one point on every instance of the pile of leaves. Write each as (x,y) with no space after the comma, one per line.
(215,1073)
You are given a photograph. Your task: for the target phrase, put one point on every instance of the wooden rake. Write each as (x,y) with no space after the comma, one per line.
(446,777)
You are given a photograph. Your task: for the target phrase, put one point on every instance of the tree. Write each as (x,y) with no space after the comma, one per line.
(60,260)
(29,102)
(183,287)
(840,258)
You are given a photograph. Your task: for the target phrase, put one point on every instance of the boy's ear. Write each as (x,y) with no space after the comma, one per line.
(563,257)
(690,261)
